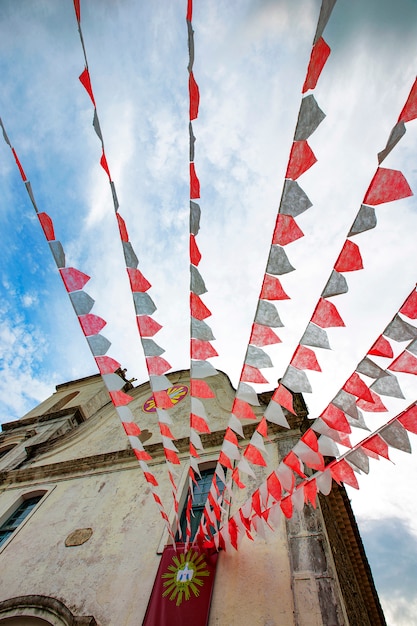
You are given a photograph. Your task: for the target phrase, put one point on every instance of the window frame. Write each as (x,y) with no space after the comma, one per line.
(182,500)
(18,501)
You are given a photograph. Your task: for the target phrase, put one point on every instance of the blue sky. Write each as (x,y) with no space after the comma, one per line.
(251,58)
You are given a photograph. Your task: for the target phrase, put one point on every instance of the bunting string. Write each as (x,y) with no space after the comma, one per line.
(272,499)
(386,186)
(91,325)
(293,202)
(334,424)
(144,305)
(201,334)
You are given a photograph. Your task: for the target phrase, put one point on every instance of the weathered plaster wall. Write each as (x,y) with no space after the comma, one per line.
(93,482)
(111,575)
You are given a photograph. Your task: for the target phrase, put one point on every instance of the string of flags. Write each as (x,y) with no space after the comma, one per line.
(294,202)
(144,305)
(287,487)
(91,325)
(385,186)
(344,411)
(273,499)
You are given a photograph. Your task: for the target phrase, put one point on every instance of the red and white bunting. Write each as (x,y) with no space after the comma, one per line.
(144,306)
(293,202)
(74,280)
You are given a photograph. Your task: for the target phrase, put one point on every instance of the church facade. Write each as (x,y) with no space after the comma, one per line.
(81,538)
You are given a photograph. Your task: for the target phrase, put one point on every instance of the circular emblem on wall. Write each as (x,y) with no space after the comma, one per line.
(185,575)
(175,394)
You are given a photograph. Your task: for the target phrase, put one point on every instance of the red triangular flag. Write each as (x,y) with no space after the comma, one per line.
(305,359)
(272,289)
(242,410)
(310,439)
(157,365)
(406,362)
(252,375)
(74,280)
(137,280)
(386,186)
(200,389)
(199,423)
(195,255)
(349,259)
(194,96)
(326,315)
(377,445)
(336,419)
(310,491)
(254,455)
(319,55)
(194,183)
(286,230)
(263,336)
(376,406)
(202,349)
(274,486)
(286,506)
(301,159)
(342,472)
(358,388)
(409,308)
(91,324)
(122,228)
(382,347)
(198,308)
(148,327)
(409,111)
(294,463)
(408,419)
(86,83)
(120,398)
(106,365)
(284,397)
(47,226)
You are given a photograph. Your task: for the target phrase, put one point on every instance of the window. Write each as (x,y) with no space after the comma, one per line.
(16,518)
(201,491)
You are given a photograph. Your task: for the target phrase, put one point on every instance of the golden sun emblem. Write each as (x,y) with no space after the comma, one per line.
(184,575)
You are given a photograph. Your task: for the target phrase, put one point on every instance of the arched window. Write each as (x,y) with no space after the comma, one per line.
(19,514)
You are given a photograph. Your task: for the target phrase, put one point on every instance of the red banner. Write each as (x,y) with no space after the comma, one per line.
(181,593)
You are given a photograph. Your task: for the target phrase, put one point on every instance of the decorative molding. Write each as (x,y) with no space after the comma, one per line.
(44,607)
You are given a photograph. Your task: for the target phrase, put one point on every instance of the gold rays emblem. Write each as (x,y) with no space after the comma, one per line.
(185,575)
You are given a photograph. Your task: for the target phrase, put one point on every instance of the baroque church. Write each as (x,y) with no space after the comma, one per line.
(81,539)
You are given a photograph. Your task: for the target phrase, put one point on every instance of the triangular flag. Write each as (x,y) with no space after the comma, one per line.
(382,347)
(263,336)
(301,159)
(387,186)
(304,358)
(409,111)
(318,58)
(286,230)
(349,259)
(326,315)
(406,362)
